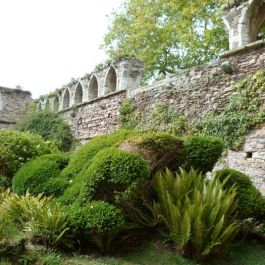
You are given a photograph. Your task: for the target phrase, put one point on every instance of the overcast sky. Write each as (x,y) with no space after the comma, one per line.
(43,43)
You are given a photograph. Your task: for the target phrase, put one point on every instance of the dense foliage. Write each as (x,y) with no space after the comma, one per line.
(31,218)
(42,175)
(17,148)
(50,126)
(198,213)
(202,153)
(167,35)
(82,158)
(111,173)
(251,203)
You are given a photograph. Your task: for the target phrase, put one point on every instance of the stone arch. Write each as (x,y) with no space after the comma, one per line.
(66,99)
(251,20)
(56,104)
(47,104)
(78,93)
(93,87)
(111,80)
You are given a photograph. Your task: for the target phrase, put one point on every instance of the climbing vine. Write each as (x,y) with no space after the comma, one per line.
(244,110)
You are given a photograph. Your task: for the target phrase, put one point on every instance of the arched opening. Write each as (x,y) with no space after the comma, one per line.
(111,81)
(251,27)
(47,104)
(66,99)
(56,104)
(93,88)
(78,94)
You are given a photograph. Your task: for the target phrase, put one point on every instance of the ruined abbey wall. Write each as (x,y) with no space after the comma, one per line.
(13,106)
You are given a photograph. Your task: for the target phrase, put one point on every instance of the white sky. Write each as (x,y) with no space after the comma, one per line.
(44,43)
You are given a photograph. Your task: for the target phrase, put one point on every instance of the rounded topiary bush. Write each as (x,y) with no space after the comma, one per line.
(82,158)
(201,152)
(98,215)
(112,172)
(42,175)
(18,148)
(160,149)
(251,203)
(50,126)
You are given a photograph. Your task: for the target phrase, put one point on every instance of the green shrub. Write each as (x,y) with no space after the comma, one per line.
(251,203)
(99,221)
(50,126)
(198,213)
(112,172)
(202,153)
(42,175)
(18,148)
(82,158)
(127,115)
(98,215)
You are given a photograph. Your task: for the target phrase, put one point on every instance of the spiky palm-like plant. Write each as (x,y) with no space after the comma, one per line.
(197,212)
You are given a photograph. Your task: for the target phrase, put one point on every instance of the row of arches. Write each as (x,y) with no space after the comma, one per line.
(110,86)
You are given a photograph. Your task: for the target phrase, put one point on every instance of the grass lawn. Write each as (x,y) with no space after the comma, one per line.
(241,254)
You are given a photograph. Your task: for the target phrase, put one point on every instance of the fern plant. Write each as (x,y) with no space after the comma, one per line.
(198,213)
(40,218)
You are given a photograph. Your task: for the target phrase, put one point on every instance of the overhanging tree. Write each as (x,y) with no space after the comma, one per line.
(167,34)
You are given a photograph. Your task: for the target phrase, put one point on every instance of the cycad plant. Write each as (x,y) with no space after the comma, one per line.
(197,212)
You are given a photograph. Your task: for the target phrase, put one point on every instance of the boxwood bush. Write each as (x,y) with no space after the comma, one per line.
(82,158)
(112,172)
(98,215)
(251,203)
(42,175)
(17,148)
(201,152)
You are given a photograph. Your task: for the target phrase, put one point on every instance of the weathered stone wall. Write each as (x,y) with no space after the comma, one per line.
(96,117)
(191,92)
(251,158)
(197,90)
(13,106)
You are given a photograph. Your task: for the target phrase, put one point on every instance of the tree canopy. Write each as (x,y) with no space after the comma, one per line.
(167,34)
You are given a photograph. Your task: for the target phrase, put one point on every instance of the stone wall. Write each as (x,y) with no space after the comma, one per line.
(251,158)
(197,90)
(13,106)
(191,92)
(96,117)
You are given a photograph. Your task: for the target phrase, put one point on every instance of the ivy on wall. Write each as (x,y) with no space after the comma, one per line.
(243,111)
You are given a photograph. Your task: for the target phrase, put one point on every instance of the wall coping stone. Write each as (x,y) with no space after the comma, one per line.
(12,90)
(250,46)
(94,100)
